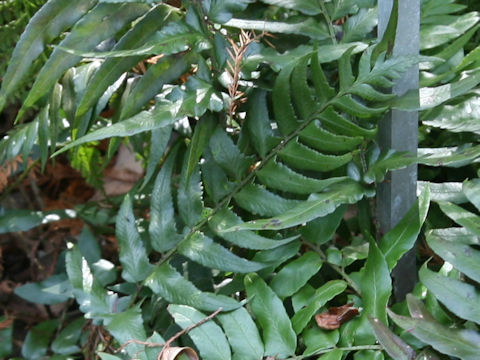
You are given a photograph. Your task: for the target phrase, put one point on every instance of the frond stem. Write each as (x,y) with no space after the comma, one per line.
(328,20)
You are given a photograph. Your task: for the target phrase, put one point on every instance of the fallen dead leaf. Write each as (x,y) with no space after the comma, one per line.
(336,316)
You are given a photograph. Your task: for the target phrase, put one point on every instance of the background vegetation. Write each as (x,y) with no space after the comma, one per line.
(250,233)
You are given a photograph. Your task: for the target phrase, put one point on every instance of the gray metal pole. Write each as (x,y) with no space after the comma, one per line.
(399,131)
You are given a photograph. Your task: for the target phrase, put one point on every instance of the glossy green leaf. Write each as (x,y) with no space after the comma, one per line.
(112,68)
(23,220)
(48,23)
(403,236)
(205,251)
(215,180)
(316,206)
(303,99)
(208,337)
(455,342)
(295,274)
(471,189)
(221,11)
(225,219)
(278,335)
(444,191)
(190,195)
(99,24)
(454,234)
(162,228)
(462,217)
(306,26)
(323,89)
(429,97)
(438,34)
(459,297)
(318,340)
(305,158)
(105,356)
(305,6)
(258,200)
(133,255)
(227,155)
(376,284)
(359,25)
(335,354)
(160,117)
(38,292)
(242,334)
(393,345)
(174,288)
(462,256)
(277,176)
(449,156)
(37,340)
(258,125)
(323,294)
(67,341)
(125,326)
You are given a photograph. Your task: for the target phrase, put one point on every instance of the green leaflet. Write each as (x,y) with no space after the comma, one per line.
(163,72)
(302,157)
(403,236)
(323,89)
(393,345)
(323,140)
(190,195)
(462,256)
(301,93)
(322,229)
(201,135)
(208,337)
(355,108)
(462,217)
(242,334)
(112,68)
(159,140)
(90,295)
(44,26)
(258,200)
(133,255)
(305,6)
(162,116)
(227,155)
(295,274)
(39,292)
(318,341)
(36,342)
(316,206)
(278,335)
(99,24)
(277,176)
(125,326)
(460,235)
(225,219)
(174,288)
(449,156)
(359,25)
(376,284)
(258,125)
(471,189)
(65,342)
(162,228)
(282,102)
(334,122)
(444,191)
(460,343)
(459,297)
(203,250)
(323,294)
(23,220)
(307,26)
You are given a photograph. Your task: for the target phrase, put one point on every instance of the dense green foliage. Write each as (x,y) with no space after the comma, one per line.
(259,150)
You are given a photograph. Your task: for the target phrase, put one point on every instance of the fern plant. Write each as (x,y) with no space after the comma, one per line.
(243,191)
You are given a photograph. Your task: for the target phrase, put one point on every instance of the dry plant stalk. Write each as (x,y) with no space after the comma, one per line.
(234,68)
(7,169)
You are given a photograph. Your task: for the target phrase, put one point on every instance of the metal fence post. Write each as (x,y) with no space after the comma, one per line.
(399,131)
